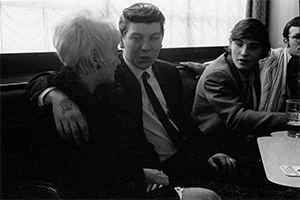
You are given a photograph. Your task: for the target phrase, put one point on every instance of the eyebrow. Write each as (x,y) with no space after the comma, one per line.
(140,34)
(255,43)
(252,42)
(157,33)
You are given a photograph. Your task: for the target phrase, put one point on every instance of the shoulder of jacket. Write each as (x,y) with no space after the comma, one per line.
(274,53)
(164,63)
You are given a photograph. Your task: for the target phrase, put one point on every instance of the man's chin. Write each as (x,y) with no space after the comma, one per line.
(144,65)
(111,81)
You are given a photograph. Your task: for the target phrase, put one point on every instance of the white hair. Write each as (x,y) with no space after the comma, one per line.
(81,32)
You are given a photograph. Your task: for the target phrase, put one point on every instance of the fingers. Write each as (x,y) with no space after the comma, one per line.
(59,128)
(184,63)
(63,129)
(70,122)
(156,176)
(75,132)
(214,167)
(223,163)
(155,179)
(78,131)
(149,185)
(188,64)
(83,127)
(229,166)
(73,129)
(232,167)
(153,186)
(162,178)
(66,128)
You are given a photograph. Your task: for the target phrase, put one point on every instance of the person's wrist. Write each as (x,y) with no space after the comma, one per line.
(41,101)
(54,96)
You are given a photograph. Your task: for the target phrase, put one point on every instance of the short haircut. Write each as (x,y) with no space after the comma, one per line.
(82,31)
(141,13)
(253,29)
(293,22)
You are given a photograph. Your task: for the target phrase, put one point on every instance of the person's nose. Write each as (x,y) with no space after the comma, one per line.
(146,45)
(244,50)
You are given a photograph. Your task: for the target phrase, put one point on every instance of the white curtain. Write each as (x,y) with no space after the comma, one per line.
(26,26)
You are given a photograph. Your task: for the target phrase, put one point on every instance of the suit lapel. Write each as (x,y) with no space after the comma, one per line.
(239,82)
(236,77)
(257,86)
(132,87)
(164,86)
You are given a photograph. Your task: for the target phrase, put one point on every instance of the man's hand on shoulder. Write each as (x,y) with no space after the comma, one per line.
(69,120)
(198,68)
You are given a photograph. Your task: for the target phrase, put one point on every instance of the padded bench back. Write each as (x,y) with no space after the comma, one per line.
(12,102)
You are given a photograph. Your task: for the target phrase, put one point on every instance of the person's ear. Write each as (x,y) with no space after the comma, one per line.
(94,59)
(286,42)
(229,46)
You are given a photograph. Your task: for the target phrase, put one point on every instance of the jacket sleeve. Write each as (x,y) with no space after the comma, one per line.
(37,85)
(201,145)
(221,92)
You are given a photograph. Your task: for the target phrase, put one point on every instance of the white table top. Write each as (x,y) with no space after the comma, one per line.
(276,150)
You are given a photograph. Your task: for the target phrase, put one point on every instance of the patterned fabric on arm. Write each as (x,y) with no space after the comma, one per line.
(272,81)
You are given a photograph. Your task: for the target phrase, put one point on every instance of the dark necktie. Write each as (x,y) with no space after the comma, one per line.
(175,136)
(293,77)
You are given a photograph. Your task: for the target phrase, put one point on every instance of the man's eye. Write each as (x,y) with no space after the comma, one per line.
(238,43)
(255,47)
(136,38)
(154,38)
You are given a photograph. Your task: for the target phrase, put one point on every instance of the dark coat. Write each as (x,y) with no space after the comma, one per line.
(221,107)
(170,83)
(169,79)
(199,148)
(110,164)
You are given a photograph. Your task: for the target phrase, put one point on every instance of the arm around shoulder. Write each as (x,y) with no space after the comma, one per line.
(37,85)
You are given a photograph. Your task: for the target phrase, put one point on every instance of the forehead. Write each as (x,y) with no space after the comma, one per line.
(144,28)
(294,30)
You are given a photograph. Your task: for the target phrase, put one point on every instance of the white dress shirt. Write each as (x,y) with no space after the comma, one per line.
(154,130)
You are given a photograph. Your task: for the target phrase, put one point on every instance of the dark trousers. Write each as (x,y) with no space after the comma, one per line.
(182,171)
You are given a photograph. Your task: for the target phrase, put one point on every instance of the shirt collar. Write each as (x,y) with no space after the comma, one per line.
(250,78)
(137,71)
(289,56)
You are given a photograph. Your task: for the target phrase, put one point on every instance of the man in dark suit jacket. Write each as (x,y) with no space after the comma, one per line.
(142,28)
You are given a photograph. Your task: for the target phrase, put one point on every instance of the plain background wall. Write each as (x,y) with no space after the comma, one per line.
(281,11)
